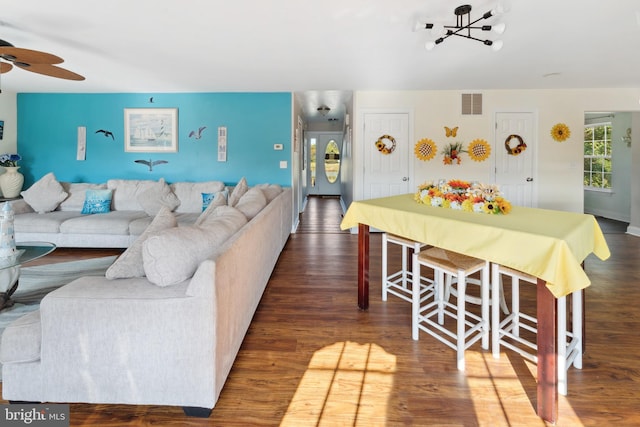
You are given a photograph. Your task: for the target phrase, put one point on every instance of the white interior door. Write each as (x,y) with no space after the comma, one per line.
(514,172)
(386,173)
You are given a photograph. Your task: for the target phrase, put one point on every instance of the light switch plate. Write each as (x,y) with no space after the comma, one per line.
(283,164)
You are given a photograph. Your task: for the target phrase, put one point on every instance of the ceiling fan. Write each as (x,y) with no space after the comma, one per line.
(34,61)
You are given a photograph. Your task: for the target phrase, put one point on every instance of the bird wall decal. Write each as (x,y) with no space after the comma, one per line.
(197,134)
(106,133)
(151,163)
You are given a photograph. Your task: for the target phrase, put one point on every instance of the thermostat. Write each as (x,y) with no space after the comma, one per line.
(277,146)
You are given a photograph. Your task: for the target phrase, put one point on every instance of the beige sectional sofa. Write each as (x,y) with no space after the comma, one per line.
(52,212)
(165,325)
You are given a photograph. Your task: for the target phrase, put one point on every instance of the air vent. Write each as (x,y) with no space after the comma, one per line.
(472,104)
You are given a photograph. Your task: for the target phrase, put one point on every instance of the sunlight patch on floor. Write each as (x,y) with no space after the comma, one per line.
(495,384)
(345,383)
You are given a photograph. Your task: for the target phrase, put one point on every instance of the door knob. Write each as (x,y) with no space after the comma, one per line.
(405,178)
(529,179)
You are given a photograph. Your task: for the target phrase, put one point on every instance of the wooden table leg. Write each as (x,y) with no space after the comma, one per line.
(547,354)
(363,266)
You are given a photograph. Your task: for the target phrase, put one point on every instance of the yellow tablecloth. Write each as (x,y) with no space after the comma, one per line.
(547,244)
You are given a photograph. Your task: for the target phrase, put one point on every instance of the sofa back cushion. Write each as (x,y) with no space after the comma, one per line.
(173,256)
(271,191)
(126,192)
(77,193)
(190,194)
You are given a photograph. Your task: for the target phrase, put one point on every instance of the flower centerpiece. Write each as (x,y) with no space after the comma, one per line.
(10,160)
(463,195)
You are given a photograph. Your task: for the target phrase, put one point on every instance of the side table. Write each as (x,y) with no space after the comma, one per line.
(10,268)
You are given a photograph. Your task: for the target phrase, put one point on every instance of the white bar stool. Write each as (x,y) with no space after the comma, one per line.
(453,265)
(506,332)
(399,283)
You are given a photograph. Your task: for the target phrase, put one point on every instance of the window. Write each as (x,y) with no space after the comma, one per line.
(597,156)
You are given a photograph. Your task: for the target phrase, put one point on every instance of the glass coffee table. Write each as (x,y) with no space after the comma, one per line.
(10,267)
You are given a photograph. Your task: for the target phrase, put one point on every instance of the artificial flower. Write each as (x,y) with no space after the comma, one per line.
(425,149)
(479,150)
(560,132)
(10,160)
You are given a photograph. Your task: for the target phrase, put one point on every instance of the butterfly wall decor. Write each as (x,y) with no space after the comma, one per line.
(451,132)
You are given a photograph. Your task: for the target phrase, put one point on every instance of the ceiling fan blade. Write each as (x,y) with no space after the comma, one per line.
(51,71)
(28,56)
(5,67)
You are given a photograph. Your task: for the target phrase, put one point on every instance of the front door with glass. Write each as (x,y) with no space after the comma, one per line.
(324,163)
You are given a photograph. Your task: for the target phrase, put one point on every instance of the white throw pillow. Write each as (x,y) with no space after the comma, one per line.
(238,192)
(130,263)
(251,203)
(156,197)
(173,256)
(45,195)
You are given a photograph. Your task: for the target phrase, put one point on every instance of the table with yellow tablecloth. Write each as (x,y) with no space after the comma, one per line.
(547,244)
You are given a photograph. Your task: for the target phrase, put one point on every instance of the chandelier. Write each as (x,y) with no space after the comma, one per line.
(464,27)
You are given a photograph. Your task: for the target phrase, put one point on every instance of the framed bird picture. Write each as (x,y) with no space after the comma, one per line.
(151,130)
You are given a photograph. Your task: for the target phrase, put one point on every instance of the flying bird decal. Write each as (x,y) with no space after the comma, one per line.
(197,134)
(151,163)
(106,133)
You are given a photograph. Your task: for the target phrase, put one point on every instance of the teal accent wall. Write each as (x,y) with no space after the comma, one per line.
(48,123)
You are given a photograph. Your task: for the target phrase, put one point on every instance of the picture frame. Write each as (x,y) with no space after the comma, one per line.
(151,130)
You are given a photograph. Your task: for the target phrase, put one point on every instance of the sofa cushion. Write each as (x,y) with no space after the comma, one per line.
(77,192)
(126,191)
(251,202)
(129,263)
(156,197)
(238,191)
(36,223)
(172,256)
(190,194)
(21,339)
(97,202)
(114,222)
(45,194)
(271,191)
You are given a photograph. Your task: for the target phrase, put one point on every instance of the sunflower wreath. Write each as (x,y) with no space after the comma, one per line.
(479,150)
(382,146)
(425,149)
(560,132)
(518,148)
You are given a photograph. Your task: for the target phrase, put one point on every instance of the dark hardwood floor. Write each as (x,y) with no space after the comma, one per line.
(311,358)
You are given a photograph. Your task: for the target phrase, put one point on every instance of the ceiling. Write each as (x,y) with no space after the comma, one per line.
(321,49)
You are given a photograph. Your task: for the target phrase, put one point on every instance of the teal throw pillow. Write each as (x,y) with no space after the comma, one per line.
(97,201)
(207,198)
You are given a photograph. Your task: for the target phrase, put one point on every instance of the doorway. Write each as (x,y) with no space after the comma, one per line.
(324,160)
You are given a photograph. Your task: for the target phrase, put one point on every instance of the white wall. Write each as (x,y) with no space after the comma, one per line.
(8,113)
(559,164)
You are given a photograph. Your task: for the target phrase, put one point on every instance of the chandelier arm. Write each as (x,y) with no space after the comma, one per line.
(469,37)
